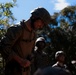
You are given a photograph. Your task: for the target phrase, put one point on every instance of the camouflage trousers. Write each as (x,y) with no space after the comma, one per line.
(13,68)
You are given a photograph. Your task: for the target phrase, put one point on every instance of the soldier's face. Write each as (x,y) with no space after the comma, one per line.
(38,24)
(41,45)
(62,58)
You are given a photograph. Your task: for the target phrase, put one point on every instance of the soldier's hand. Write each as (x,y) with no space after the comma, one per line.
(22,62)
(25,63)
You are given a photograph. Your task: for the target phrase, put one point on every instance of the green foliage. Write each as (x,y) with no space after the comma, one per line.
(6,16)
(70,13)
(6,19)
(62,37)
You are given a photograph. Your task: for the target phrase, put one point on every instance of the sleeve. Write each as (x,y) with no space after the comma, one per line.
(12,35)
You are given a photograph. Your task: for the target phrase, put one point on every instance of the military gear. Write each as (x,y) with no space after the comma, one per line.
(43,14)
(16,41)
(59,53)
(16,38)
(58,65)
(41,59)
(60,57)
(40,39)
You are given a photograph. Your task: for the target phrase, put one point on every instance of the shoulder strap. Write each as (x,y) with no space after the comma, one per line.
(22,29)
(22,23)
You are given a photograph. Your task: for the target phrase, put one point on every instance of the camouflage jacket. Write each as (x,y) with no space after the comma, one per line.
(41,60)
(18,39)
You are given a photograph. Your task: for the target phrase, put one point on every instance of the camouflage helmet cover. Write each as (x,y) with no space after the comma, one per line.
(43,14)
(59,53)
(40,39)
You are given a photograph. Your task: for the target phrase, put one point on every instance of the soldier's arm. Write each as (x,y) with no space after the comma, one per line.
(8,41)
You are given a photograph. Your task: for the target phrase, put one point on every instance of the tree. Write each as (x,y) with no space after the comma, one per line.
(6,19)
(6,16)
(62,36)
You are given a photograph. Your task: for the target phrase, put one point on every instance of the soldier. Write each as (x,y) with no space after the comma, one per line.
(59,68)
(18,42)
(60,58)
(41,59)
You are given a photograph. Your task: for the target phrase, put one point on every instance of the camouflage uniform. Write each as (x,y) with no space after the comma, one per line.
(16,41)
(60,57)
(41,59)
(20,40)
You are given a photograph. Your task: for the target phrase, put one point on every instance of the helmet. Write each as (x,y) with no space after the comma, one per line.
(40,39)
(43,14)
(58,54)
